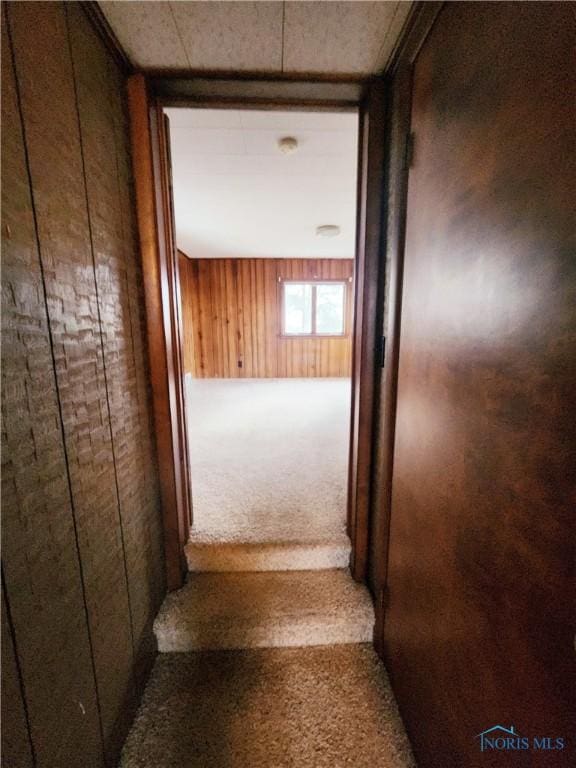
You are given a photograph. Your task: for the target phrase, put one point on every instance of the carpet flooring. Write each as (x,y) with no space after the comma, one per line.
(268,459)
(264,610)
(323,707)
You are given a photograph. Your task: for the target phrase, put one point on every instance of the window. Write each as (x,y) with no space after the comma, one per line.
(314,308)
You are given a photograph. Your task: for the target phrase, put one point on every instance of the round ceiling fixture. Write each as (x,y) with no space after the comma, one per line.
(328,230)
(287,145)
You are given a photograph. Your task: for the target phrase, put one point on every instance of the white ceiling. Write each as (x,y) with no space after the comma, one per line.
(237,195)
(315,37)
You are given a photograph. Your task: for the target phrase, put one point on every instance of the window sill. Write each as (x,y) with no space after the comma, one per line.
(312,335)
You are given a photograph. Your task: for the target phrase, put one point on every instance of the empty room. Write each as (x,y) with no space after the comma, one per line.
(265,219)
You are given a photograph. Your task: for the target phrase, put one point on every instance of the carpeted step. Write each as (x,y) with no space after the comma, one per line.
(265,610)
(219,556)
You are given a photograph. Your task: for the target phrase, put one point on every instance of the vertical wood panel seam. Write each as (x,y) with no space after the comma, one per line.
(123,225)
(57,390)
(18,667)
(127,280)
(141,400)
(106,388)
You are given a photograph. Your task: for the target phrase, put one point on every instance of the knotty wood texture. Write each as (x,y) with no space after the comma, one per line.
(82,539)
(231,314)
(479,628)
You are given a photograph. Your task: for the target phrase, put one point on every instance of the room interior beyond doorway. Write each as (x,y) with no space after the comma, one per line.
(266,241)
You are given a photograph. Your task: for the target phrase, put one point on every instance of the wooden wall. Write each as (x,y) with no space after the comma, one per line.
(479,627)
(231,315)
(82,554)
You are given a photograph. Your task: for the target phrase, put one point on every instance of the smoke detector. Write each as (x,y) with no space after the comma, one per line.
(328,230)
(287,145)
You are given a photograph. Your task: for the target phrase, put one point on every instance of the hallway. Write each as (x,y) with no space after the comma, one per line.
(351,224)
(321,707)
(262,661)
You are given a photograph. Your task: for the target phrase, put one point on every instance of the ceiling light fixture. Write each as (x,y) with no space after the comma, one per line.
(328,230)
(287,145)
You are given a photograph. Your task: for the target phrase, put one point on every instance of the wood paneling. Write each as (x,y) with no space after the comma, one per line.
(231,313)
(82,538)
(65,233)
(99,88)
(479,629)
(16,744)
(39,552)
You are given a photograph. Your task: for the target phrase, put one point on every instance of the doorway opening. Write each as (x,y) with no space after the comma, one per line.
(265,227)
(149,101)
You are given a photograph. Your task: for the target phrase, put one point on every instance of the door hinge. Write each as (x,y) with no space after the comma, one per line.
(382,351)
(410,142)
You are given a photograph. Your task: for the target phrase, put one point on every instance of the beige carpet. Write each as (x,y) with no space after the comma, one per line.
(269,708)
(269,461)
(268,458)
(265,610)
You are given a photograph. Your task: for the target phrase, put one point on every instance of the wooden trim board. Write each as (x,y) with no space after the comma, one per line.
(158,290)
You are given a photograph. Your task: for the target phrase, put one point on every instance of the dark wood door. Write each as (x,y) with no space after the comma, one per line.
(479,627)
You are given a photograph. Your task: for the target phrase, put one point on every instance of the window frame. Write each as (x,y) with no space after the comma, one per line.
(344,281)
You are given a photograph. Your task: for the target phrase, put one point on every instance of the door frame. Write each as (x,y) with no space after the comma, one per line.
(366,345)
(148,95)
(150,161)
(399,148)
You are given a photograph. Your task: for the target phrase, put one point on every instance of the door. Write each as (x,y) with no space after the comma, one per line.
(477,632)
